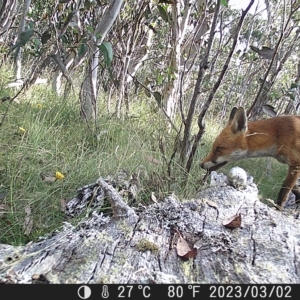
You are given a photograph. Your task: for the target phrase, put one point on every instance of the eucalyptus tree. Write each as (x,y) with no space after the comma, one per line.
(132,36)
(61,35)
(89,94)
(7,16)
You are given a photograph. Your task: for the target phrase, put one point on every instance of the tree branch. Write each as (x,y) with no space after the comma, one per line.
(215,88)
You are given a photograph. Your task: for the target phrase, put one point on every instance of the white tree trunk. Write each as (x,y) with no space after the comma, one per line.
(89,88)
(8,9)
(57,76)
(179,26)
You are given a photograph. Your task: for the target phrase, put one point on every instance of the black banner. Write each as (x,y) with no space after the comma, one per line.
(153,291)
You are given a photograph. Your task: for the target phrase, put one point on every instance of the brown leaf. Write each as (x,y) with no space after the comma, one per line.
(182,247)
(233,222)
(191,254)
(28,222)
(184,250)
(265,52)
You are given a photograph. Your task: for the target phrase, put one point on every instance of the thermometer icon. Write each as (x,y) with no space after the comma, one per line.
(105,293)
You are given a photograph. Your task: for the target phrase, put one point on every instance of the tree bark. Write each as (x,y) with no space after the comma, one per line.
(89,93)
(147,244)
(181,11)
(18,53)
(7,11)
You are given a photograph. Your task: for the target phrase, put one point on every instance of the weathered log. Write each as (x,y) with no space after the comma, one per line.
(150,244)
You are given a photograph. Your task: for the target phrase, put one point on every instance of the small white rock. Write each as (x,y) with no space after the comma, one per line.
(237,177)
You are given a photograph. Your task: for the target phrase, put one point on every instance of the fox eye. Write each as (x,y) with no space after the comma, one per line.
(218,150)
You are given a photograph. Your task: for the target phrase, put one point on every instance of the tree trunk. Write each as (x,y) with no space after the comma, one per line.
(7,11)
(18,53)
(89,93)
(166,242)
(181,11)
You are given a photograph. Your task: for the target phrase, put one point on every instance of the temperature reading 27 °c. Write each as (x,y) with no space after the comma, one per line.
(125,291)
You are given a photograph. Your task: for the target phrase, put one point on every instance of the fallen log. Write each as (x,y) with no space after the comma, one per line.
(223,235)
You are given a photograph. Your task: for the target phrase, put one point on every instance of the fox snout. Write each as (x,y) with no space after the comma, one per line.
(212,166)
(205,166)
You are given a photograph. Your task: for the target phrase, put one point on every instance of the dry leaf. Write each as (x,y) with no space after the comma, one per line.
(191,254)
(153,198)
(3,210)
(184,250)
(49,178)
(28,222)
(233,222)
(153,160)
(211,204)
(63,204)
(182,247)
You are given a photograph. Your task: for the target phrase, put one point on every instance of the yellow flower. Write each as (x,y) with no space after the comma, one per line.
(39,105)
(59,175)
(22,129)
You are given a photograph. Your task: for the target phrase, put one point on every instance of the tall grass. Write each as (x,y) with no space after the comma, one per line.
(44,134)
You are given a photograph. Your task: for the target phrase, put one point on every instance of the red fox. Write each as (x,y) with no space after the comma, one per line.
(277,137)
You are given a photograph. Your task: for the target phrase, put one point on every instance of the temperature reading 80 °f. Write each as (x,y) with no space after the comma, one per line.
(175,291)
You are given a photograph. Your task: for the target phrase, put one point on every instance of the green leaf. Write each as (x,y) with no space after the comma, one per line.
(64,38)
(107,51)
(90,29)
(163,13)
(82,50)
(291,96)
(87,4)
(224,3)
(294,86)
(158,97)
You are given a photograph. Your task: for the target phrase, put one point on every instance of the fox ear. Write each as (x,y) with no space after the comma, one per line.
(239,121)
(232,115)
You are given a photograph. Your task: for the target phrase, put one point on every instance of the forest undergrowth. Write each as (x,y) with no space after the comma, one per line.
(47,152)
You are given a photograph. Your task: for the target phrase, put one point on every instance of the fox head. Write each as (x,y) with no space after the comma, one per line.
(231,144)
